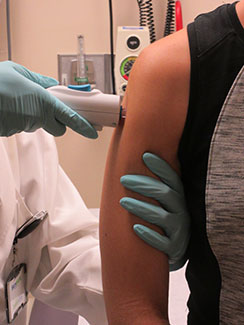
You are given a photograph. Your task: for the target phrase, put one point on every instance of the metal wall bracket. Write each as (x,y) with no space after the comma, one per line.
(98,70)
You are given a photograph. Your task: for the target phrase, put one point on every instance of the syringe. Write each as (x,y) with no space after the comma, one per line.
(81,76)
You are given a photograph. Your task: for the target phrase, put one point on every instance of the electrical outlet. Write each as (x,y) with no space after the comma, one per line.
(98,70)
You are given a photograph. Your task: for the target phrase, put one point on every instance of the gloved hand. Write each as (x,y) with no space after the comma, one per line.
(26,106)
(171,216)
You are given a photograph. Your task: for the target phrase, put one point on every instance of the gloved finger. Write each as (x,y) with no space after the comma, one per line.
(39,79)
(163,170)
(176,265)
(153,238)
(155,189)
(55,128)
(148,212)
(9,133)
(76,123)
(66,116)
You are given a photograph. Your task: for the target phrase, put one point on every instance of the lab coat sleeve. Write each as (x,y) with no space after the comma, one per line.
(62,254)
(69,273)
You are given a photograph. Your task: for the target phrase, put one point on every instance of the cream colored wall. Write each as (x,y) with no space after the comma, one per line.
(194,8)
(42,29)
(3,38)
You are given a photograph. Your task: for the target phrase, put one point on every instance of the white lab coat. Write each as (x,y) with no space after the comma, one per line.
(62,254)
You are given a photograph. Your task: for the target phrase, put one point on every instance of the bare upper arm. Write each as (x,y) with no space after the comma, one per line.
(157,96)
(134,274)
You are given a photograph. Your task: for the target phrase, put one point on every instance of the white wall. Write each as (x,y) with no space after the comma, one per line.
(42,29)
(193,8)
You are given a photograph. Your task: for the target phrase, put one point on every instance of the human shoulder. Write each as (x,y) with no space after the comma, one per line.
(158,92)
(166,58)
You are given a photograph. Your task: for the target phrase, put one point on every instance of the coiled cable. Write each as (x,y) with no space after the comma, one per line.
(146,17)
(170,18)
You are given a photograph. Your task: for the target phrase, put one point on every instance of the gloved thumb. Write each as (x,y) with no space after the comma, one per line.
(39,79)
(176,265)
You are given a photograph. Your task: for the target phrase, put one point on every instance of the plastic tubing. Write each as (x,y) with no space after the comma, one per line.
(178,14)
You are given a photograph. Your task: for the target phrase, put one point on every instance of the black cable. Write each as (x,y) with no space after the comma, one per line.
(142,13)
(146,17)
(150,21)
(170,18)
(8,30)
(112,45)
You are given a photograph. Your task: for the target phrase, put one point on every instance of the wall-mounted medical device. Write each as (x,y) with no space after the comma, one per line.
(130,41)
(98,108)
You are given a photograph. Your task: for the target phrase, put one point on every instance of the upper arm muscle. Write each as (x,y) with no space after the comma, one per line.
(134,274)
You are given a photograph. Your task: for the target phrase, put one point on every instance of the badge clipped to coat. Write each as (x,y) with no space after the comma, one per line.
(16,294)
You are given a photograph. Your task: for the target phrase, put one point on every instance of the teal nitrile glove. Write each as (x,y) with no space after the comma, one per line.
(171,216)
(26,106)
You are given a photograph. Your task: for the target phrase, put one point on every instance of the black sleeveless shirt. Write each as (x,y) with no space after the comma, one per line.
(216,41)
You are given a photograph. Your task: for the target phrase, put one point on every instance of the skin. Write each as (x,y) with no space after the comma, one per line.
(135,275)
(240,11)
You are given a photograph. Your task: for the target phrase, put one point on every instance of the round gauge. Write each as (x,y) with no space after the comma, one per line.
(126,66)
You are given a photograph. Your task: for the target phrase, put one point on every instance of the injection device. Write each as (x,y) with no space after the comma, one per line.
(98,108)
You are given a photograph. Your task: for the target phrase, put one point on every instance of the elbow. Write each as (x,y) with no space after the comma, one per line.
(138,312)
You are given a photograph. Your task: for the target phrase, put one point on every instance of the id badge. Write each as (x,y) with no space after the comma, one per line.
(15,292)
